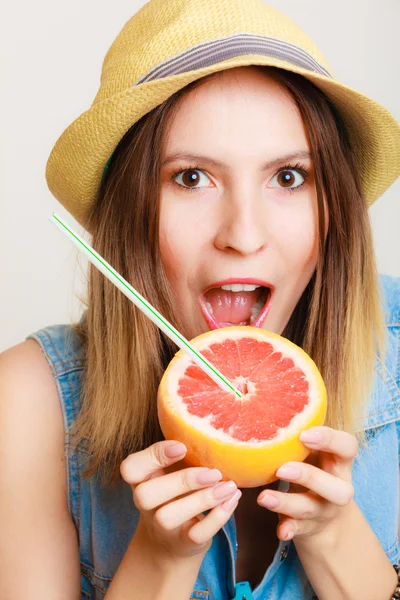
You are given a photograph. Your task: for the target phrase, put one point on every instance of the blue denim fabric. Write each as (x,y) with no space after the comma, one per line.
(106,518)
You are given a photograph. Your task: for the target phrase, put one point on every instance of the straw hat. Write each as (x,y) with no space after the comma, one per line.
(169,43)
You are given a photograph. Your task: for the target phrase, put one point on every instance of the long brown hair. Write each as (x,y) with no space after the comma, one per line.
(338,320)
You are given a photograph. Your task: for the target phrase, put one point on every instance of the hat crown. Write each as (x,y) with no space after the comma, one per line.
(162,29)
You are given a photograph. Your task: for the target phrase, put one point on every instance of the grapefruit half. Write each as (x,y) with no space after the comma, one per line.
(247,439)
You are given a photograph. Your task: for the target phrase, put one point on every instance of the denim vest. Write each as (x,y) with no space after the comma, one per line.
(106,518)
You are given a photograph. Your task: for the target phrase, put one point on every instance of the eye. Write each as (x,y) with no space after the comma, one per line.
(290,178)
(190,178)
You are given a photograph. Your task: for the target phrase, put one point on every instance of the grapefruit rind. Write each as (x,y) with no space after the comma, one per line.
(249,464)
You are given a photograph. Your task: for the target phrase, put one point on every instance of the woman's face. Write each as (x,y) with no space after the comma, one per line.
(244,210)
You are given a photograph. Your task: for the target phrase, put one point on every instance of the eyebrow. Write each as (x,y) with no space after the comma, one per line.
(275,162)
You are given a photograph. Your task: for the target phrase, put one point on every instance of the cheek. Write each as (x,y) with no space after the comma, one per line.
(177,244)
(298,239)
(183,232)
(170,254)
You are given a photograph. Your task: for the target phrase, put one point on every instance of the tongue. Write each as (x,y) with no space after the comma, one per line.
(231,307)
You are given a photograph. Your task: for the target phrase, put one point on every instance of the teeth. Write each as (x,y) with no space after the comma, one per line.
(240,287)
(255,311)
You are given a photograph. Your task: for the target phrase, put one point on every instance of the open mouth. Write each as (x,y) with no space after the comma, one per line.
(236,304)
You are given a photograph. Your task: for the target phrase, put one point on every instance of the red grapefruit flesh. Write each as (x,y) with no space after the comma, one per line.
(248,439)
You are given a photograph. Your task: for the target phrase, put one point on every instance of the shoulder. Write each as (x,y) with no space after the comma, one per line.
(24,364)
(390,293)
(385,399)
(31,425)
(62,347)
(44,374)
(33,479)
(28,393)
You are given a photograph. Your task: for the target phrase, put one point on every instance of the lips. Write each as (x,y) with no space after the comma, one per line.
(259,301)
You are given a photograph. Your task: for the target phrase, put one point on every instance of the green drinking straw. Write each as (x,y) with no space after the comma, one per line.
(145,306)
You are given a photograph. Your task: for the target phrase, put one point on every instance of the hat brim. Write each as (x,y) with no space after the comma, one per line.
(76,163)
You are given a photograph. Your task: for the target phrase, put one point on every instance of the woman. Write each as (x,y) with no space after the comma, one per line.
(219,148)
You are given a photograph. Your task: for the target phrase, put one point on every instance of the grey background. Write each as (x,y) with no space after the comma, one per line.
(51,55)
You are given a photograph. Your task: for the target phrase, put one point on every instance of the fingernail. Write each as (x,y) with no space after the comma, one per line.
(288,472)
(174,450)
(312,437)
(225,488)
(208,476)
(228,505)
(269,501)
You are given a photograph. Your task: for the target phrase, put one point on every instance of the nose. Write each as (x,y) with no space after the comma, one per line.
(242,226)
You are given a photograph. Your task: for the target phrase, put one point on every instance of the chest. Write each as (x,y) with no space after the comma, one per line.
(257,544)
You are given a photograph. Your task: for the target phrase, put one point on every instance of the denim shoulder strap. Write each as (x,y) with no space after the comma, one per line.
(385,400)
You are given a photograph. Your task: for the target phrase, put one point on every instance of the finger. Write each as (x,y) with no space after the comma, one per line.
(288,528)
(324,484)
(297,506)
(202,532)
(141,465)
(155,492)
(342,444)
(173,515)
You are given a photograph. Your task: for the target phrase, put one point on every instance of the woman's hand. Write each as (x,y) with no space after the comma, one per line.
(171,500)
(320,493)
